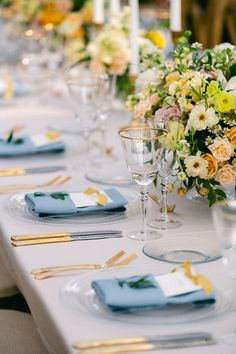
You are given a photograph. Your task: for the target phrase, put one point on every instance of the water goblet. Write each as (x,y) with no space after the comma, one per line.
(164,222)
(83,93)
(143,151)
(224,218)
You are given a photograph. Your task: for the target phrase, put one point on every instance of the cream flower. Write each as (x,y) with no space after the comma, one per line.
(200,118)
(148,77)
(226,175)
(221,149)
(196,166)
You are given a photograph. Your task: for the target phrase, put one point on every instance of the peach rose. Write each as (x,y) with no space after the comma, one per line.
(212,165)
(232,136)
(221,149)
(226,175)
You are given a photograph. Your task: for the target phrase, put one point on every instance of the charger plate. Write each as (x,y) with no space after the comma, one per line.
(17,208)
(78,296)
(182,248)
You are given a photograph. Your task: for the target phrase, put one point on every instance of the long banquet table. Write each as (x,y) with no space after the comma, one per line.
(58,325)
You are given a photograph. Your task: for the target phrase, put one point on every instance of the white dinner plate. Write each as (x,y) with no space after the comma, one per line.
(17,208)
(78,296)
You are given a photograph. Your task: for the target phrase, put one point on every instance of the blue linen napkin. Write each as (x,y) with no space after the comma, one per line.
(127,299)
(46,205)
(28,148)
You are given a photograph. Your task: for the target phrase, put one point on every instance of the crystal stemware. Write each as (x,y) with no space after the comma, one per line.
(224,218)
(164,222)
(143,152)
(83,93)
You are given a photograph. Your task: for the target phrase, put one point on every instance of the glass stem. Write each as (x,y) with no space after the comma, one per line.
(144,202)
(164,190)
(103,136)
(113,86)
(87,148)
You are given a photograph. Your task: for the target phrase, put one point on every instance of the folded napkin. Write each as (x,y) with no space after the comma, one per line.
(27,147)
(44,204)
(126,298)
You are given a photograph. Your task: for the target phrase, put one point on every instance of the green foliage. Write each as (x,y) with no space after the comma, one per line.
(141,283)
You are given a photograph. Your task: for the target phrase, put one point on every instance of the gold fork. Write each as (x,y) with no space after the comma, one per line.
(55,271)
(170,208)
(57,181)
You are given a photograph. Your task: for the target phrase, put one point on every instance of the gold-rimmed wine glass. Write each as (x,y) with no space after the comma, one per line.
(143,151)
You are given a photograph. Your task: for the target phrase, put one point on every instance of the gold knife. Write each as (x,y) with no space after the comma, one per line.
(19,171)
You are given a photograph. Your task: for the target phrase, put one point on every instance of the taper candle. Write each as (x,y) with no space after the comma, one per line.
(98,11)
(175,16)
(134,29)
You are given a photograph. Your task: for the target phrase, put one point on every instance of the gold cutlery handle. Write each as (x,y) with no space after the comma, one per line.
(65,268)
(123,349)
(12,172)
(39,236)
(40,241)
(16,187)
(108,343)
(50,274)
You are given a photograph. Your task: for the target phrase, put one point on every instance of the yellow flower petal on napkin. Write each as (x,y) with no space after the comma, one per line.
(197,279)
(52,135)
(102,198)
(91,190)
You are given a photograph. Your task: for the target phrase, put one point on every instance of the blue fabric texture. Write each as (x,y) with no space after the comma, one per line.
(128,299)
(28,148)
(46,205)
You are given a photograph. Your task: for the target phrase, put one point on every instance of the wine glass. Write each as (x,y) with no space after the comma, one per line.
(83,93)
(224,218)
(164,222)
(143,152)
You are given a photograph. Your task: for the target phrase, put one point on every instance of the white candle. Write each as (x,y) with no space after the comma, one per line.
(98,11)
(175,16)
(114,7)
(134,31)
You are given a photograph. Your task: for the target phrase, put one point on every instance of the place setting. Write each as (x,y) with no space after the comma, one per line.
(118,173)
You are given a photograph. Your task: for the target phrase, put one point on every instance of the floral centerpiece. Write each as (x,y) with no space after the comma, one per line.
(194,96)
(56,22)
(110,50)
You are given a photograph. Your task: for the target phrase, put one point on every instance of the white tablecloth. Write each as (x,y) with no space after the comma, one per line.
(58,325)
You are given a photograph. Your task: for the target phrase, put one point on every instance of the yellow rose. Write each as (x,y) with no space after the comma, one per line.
(226,175)
(221,149)
(224,102)
(232,136)
(212,165)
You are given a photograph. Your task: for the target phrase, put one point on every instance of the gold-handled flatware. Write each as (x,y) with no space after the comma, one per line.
(61,270)
(19,171)
(68,238)
(147,343)
(55,181)
(170,208)
(63,234)
(107,263)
